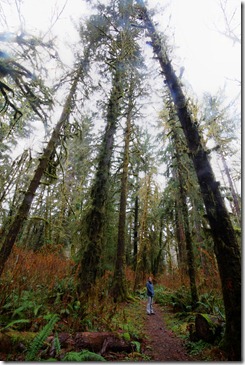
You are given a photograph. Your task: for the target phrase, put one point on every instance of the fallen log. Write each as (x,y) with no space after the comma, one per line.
(5,343)
(208,327)
(98,342)
(102,342)
(11,341)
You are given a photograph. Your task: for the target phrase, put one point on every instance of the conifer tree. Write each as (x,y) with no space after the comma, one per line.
(21,215)
(122,53)
(225,241)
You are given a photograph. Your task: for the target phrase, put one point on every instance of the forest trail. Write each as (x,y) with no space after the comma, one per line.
(161,343)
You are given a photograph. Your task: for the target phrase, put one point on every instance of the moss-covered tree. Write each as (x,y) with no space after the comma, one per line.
(21,214)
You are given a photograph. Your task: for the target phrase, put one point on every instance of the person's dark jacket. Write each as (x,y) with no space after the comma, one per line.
(150,289)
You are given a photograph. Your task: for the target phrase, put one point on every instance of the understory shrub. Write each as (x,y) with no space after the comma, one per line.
(162,295)
(84,355)
(38,341)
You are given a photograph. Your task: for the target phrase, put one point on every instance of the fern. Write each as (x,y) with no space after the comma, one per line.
(91,356)
(84,355)
(21,309)
(57,343)
(72,356)
(40,338)
(13,323)
(137,345)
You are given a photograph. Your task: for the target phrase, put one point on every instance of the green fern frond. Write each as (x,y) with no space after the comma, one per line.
(13,323)
(40,338)
(84,355)
(91,356)
(72,356)
(57,344)
(137,345)
(21,309)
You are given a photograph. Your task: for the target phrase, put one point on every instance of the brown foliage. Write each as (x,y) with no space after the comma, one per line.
(26,269)
(173,280)
(176,279)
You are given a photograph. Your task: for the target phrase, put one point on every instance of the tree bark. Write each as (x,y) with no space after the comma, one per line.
(233,193)
(180,237)
(188,238)
(119,288)
(25,206)
(101,342)
(225,242)
(98,342)
(136,233)
(142,265)
(159,258)
(90,263)
(136,172)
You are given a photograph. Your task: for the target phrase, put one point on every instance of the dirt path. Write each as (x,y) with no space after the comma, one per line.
(162,344)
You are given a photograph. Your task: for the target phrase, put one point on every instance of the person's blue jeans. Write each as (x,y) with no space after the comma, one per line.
(149,307)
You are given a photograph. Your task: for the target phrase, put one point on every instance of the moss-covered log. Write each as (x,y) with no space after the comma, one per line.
(15,341)
(99,342)
(102,342)
(208,327)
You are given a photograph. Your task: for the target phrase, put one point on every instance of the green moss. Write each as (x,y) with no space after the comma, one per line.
(212,325)
(126,336)
(25,337)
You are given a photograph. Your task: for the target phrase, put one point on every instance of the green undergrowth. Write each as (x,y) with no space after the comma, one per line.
(125,319)
(84,355)
(41,312)
(128,319)
(179,314)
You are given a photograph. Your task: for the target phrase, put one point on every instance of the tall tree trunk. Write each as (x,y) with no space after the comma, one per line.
(119,287)
(188,238)
(136,172)
(233,193)
(136,231)
(90,262)
(142,265)
(47,215)
(180,238)
(225,242)
(169,257)
(198,228)
(184,209)
(25,206)
(159,257)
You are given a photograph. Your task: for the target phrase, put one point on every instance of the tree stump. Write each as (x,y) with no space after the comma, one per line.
(208,327)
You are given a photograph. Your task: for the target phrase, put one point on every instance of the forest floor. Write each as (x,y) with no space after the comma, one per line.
(156,334)
(162,344)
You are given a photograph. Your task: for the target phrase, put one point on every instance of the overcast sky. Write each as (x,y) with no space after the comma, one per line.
(209,58)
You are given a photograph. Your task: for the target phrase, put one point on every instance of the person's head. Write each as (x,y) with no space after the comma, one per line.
(150,279)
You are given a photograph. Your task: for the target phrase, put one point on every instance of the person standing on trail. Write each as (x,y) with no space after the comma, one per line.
(150,294)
